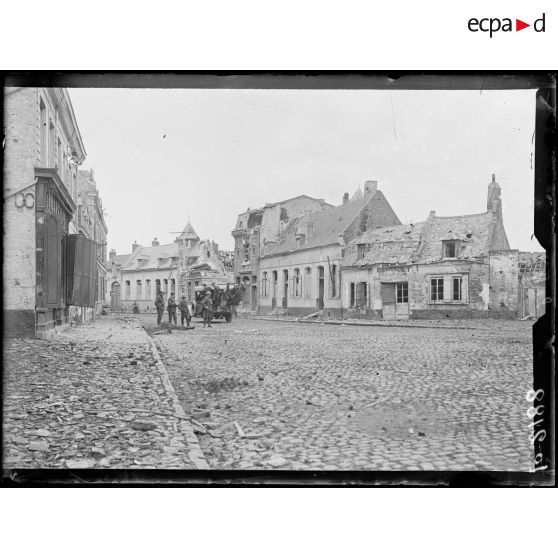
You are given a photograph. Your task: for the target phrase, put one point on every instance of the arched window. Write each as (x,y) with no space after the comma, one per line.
(308,282)
(148,288)
(127,293)
(138,289)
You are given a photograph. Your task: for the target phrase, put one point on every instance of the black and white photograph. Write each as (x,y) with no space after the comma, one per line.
(275,276)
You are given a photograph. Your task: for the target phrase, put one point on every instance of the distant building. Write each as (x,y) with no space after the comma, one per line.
(457,267)
(300,269)
(43,150)
(175,268)
(140,275)
(89,220)
(257,227)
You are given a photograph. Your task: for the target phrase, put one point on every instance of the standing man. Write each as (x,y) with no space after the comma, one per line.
(184,311)
(207,305)
(160,305)
(171,307)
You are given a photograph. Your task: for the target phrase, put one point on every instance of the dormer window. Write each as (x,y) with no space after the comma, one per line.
(360,250)
(449,248)
(300,239)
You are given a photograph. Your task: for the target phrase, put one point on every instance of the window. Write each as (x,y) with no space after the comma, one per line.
(436,289)
(166,285)
(457,289)
(264,285)
(360,250)
(450,249)
(44,132)
(138,289)
(148,288)
(296,283)
(246,253)
(158,285)
(352,296)
(333,281)
(402,292)
(300,240)
(127,290)
(308,282)
(51,145)
(173,286)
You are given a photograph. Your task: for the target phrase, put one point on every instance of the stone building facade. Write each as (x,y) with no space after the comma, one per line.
(254,229)
(300,271)
(459,267)
(43,150)
(140,275)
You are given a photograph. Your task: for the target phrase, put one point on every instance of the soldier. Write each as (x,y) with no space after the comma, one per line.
(160,305)
(171,307)
(207,305)
(184,312)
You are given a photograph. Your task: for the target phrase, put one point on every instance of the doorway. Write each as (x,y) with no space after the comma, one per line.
(395,301)
(115,304)
(285,288)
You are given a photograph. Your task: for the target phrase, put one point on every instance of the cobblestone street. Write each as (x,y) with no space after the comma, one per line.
(95,396)
(282,395)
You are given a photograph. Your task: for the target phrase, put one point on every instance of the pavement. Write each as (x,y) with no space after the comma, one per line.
(284,395)
(93,396)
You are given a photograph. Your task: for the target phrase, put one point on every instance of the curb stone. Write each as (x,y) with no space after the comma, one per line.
(194,450)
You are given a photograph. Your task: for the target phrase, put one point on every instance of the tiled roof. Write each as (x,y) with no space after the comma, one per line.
(118,260)
(322,227)
(152,257)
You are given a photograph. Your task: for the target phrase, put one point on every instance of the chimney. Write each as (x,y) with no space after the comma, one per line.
(493,200)
(155,242)
(370,186)
(432,214)
(135,246)
(112,254)
(345,198)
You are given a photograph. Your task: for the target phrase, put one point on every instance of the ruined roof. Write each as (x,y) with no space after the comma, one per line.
(392,245)
(152,257)
(422,242)
(322,228)
(532,262)
(473,232)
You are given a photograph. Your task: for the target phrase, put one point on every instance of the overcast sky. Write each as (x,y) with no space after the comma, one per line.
(161,155)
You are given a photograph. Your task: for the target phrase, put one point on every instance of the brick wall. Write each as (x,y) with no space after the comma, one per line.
(20,157)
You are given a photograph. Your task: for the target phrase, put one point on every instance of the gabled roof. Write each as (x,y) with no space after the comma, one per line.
(152,257)
(322,227)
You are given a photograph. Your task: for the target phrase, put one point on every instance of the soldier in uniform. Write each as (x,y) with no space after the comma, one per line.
(171,307)
(207,305)
(184,312)
(160,305)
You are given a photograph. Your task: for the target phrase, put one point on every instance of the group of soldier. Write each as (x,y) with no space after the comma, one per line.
(184,306)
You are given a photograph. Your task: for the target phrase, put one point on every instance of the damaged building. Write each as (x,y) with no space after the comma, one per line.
(254,229)
(300,269)
(459,267)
